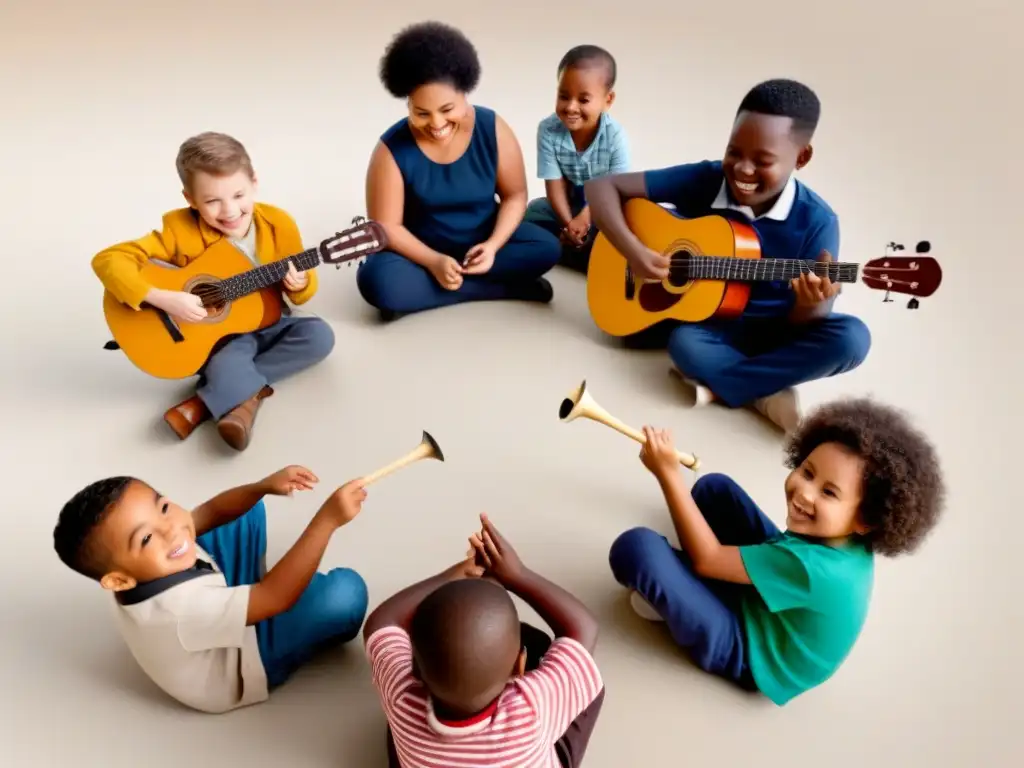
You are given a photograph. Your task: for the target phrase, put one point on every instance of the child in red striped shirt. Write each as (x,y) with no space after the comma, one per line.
(463,682)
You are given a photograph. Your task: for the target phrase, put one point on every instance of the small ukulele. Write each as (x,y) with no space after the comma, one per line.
(714,260)
(238,298)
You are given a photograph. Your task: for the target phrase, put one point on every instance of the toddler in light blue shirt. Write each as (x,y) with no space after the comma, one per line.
(579,141)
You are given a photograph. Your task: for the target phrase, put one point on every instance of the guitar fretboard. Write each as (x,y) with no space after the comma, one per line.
(265,275)
(733,268)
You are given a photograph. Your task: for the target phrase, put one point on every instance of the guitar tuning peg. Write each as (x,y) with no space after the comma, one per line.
(913,304)
(886,300)
(923,246)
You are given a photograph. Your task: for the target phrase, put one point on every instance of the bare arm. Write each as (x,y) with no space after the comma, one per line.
(605,196)
(385,203)
(563,612)
(227,506)
(558,197)
(511,185)
(398,610)
(711,559)
(284,584)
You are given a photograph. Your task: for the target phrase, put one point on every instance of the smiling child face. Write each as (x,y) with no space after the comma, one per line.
(145,537)
(224,201)
(823,494)
(762,153)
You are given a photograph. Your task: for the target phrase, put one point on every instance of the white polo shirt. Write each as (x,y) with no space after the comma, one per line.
(188,632)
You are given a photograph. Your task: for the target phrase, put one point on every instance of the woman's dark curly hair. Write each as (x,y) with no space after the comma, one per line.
(429,52)
(903,491)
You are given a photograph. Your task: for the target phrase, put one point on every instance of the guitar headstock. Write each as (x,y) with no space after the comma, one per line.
(916,276)
(363,238)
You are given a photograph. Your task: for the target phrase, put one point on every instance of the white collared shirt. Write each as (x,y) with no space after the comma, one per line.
(779,211)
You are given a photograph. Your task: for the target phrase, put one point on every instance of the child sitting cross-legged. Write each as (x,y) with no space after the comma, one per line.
(779,611)
(464,682)
(195,604)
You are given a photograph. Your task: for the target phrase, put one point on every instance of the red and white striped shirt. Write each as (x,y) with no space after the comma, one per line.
(518,730)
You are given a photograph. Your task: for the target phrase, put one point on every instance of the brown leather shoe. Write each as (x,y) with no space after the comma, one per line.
(186,416)
(236,426)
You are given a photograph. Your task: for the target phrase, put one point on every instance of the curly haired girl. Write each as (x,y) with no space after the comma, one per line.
(776,611)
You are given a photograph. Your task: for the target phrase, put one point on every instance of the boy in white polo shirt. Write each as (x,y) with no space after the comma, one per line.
(194,602)
(578,142)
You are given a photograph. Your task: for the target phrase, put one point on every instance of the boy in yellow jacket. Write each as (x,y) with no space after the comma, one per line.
(220,186)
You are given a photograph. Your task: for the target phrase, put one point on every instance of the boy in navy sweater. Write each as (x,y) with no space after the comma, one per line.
(788,334)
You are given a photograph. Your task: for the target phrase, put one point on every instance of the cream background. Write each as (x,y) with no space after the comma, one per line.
(918,140)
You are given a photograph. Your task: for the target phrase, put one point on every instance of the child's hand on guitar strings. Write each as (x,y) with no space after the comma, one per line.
(295,280)
(650,265)
(812,289)
(181,305)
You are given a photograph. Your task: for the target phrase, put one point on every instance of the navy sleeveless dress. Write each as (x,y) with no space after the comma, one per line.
(451,207)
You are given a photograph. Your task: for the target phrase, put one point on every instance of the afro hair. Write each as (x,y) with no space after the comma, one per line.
(785,98)
(429,52)
(903,491)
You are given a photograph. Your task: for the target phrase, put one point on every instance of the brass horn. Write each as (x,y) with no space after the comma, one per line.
(427,449)
(580,403)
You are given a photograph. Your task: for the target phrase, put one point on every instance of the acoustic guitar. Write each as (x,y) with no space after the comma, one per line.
(238,297)
(713,262)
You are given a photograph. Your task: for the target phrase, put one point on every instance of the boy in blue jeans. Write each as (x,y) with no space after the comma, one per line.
(578,142)
(773,611)
(788,333)
(195,604)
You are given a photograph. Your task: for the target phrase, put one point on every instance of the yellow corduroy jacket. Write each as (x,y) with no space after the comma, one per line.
(185,237)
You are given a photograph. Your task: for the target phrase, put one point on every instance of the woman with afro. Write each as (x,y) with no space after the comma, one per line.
(448,184)
(779,612)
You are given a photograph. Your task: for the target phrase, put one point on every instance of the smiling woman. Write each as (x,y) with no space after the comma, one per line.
(449,184)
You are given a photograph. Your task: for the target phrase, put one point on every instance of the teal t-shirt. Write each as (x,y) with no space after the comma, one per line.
(806,611)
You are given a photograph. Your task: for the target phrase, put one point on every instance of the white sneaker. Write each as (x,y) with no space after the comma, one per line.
(701,394)
(642,608)
(782,409)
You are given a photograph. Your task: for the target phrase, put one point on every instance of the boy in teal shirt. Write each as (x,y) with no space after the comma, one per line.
(777,611)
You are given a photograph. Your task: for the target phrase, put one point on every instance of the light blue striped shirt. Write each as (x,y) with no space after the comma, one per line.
(558,158)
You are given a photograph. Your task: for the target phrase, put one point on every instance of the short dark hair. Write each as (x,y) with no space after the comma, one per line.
(73,536)
(429,52)
(903,491)
(590,55)
(785,98)
(459,633)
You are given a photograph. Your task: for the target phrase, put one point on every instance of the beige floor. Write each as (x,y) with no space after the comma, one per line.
(919,140)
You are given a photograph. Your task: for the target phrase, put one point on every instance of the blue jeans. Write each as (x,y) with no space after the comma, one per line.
(704,616)
(243,365)
(330,611)
(392,283)
(744,360)
(540,212)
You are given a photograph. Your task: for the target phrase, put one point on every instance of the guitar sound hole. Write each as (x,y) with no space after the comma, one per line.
(211,296)
(679,268)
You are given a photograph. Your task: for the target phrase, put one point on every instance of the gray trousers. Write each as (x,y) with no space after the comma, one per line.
(244,364)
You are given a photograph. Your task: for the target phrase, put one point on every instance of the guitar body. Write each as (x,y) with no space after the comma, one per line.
(622,304)
(161,346)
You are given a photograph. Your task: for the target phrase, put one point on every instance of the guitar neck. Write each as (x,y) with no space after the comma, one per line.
(767,270)
(265,275)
